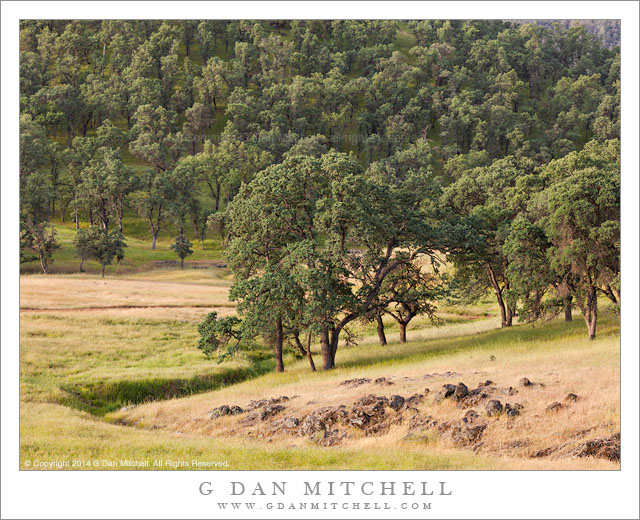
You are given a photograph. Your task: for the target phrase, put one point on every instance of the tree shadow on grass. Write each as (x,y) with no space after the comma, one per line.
(492,341)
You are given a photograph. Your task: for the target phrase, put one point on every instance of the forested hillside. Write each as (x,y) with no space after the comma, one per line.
(607,30)
(490,145)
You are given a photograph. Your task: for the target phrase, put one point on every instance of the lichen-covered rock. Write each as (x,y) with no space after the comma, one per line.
(470,416)
(510,410)
(332,437)
(322,419)
(220,411)
(415,399)
(461,391)
(396,402)
(262,414)
(285,425)
(494,407)
(554,407)
(368,410)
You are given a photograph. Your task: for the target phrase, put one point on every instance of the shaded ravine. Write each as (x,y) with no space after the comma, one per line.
(102,398)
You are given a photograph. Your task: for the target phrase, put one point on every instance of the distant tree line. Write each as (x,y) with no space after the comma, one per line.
(342,163)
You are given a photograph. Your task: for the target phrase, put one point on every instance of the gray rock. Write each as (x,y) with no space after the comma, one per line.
(461,391)
(396,402)
(448,390)
(554,407)
(494,407)
(511,411)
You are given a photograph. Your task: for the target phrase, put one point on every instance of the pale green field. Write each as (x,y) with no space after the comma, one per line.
(94,352)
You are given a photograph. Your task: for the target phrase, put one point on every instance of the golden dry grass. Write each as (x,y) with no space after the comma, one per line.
(40,292)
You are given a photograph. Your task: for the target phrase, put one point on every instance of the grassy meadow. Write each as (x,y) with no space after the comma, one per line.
(110,371)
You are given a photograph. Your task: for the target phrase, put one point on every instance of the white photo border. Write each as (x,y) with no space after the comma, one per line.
(174,494)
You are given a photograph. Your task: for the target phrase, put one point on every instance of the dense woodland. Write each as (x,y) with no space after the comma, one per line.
(352,169)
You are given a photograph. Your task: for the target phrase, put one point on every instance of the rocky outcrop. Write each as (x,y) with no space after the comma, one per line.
(264,402)
(323,419)
(600,448)
(262,414)
(354,383)
(224,410)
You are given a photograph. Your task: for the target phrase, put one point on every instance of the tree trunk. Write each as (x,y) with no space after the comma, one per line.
(155,236)
(327,354)
(309,355)
(381,336)
(503,310)
(182,263)
(81,265)
(43,264)
(505,318)
(102,270)
(278,346)
(591,312)
(567,308)
(510,312)
(403,332)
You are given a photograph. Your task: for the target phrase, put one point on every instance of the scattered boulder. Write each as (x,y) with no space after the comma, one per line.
(220,411)
(486,383)
(223,410)
(322,419)
(415,399)
(285,425)
(462,433)
(554,407)
(494,407)
(461,391)
(354,383)
(448,390)
(396,402)
(470,416)
(511,411)
(426,391)
(383,381)
(571,398)
(600,448)
(525,382)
